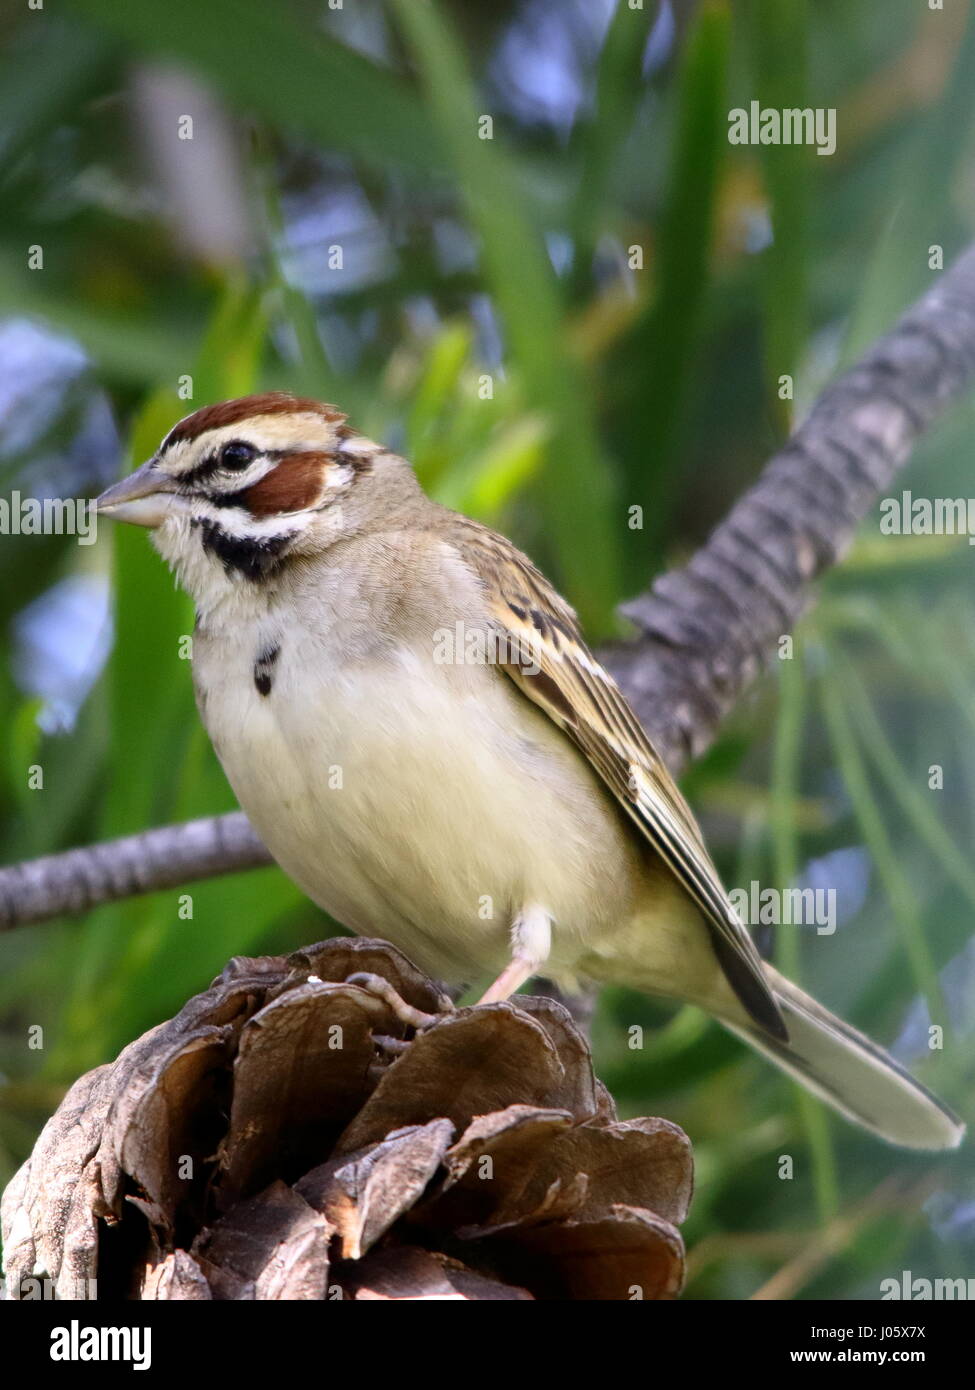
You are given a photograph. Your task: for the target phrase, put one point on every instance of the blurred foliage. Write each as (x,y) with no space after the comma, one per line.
(588,312)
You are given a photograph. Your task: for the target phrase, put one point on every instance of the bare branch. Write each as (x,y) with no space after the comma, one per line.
(165,857)
(706,630)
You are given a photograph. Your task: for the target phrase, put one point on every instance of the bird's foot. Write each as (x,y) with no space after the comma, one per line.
(404,1012)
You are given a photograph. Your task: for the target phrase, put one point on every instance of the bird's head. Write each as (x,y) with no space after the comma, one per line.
(238,490)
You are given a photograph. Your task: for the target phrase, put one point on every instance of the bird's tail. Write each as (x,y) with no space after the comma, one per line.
(851,1073)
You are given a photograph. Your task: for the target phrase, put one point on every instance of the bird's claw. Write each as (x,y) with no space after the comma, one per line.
(404,1012)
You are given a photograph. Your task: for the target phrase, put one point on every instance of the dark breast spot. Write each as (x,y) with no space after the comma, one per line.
(263,669)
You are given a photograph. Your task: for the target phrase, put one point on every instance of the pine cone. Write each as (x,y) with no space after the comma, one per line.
(325,1125)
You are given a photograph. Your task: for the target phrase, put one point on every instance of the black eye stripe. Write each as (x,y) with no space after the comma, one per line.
(208,468)
(204,469)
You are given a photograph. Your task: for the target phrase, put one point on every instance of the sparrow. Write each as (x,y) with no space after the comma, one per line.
(408,713)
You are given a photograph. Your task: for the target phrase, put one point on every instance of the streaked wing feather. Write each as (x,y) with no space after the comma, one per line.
(559,674)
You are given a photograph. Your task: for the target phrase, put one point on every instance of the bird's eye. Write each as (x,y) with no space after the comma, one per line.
(237,454)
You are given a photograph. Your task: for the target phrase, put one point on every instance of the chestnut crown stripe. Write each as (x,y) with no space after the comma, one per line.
(215,417)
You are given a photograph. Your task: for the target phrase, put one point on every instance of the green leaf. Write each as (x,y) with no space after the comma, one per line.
(663,346)
(575,484)
(151,700)
(46,80)
(312,375)
(778,41)
(786,763)
(619,88)
(917,212)
(897,885)
(131,350)
(438,383)
(915,803)
(262,58)
(489,481)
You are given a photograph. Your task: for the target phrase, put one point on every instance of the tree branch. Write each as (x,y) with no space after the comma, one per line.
(705,631)
(170,855)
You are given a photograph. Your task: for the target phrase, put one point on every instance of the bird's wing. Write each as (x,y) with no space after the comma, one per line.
(551,664)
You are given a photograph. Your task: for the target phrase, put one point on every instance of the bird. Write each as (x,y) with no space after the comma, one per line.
(409,715)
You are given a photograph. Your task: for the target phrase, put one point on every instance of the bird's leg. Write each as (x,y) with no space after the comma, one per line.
(531,941)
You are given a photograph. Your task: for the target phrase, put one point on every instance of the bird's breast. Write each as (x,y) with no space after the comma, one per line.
(419,801)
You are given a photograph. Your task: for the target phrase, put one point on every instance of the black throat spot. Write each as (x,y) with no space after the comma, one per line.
(263,669)
(255,558)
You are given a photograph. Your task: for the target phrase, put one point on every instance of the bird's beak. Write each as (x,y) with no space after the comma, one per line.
(146,497)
